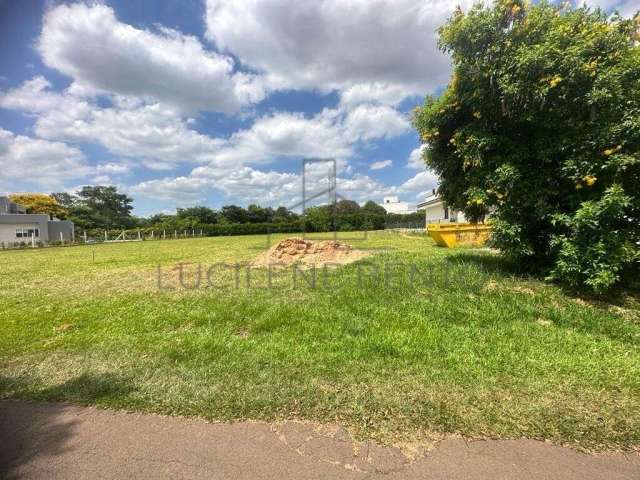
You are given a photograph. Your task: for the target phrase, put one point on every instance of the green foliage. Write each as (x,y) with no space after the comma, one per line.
(197,215)
(540,124)
(97,206)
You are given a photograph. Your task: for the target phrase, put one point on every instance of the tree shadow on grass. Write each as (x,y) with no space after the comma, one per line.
(624,303)
(33,430)
(491,264)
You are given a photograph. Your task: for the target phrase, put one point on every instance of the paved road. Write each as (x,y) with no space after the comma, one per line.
(62,441)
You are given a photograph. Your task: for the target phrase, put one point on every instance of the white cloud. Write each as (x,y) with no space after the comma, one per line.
(416,160)
(184,190)
(626,8)
(154,134)
(368,122)
(376,92)
(387,49)
(420,184)
(34,96)
(160,138)
(286,135)
(89,44)
(39,162)
(113,168)
(380,165)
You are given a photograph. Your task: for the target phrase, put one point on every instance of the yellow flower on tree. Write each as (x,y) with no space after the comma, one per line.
(553,83)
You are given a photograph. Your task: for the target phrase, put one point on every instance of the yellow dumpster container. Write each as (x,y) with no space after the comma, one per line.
(459,234)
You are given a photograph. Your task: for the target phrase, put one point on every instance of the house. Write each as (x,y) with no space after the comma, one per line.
(17,226)
(437,212)
(393,205)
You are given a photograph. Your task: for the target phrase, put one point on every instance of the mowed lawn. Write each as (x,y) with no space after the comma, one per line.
(447,341)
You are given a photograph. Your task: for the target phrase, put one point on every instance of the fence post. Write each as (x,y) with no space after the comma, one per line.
(164,234)
(105,236)
(175,234)
(61,239)
(85,236)
(139,238)
(33,239)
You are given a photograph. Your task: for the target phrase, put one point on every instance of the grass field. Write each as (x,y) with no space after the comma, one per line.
(451,341)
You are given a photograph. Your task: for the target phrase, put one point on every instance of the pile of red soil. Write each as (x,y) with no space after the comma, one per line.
(297,250)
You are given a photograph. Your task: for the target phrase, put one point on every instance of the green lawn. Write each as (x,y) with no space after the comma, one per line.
(456,343)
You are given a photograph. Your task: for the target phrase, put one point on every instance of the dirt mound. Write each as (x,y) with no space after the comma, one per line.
(297,250)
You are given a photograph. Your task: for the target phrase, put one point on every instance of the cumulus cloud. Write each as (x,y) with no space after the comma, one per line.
(286,135)
(367,122)
(113,168)
(372,92)
(246,184)
(420,184)
(89,44)
(41,162)
(160,138)
(416,159)
(250,185)
(34,96)
(386,48)
(380,165)
(625,7)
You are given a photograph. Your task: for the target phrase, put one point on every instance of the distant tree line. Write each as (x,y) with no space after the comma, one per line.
(104,208)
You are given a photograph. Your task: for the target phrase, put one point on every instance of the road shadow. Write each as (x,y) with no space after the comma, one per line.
(29,430)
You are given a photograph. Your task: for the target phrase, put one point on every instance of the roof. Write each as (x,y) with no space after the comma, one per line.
(430,200)
(12,218)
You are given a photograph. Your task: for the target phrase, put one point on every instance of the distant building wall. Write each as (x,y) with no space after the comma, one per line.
(57,227)
(13,226)
(18,228)
(393,205)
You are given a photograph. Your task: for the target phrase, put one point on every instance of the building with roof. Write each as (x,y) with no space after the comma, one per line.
(394,205)
(436,211)
(18,227)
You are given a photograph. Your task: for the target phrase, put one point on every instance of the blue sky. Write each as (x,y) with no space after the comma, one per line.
(218,101)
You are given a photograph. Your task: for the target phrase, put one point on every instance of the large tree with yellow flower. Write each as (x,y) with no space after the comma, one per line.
(541,124)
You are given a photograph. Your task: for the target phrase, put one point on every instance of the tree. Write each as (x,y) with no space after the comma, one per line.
(319,219)
(372,208)
(66,200)
(375,216)
(283,215)
(39,203)
(257,214)
(198,214)
(103,207)
(234,214)
(541,123)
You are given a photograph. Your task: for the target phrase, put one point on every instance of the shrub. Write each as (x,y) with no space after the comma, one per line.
(541,123)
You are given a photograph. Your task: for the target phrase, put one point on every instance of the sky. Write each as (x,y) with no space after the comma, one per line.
(214,102)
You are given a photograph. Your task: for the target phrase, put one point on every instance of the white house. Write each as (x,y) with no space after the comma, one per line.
(436,211)
(18,227)
(394,205)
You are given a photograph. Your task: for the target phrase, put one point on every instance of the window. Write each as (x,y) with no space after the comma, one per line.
(27,232)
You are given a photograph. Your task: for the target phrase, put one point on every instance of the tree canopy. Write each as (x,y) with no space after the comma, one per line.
(540,123)
(98,207)
(40,203)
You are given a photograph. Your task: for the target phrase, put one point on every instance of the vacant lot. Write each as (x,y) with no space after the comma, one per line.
(412,342)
